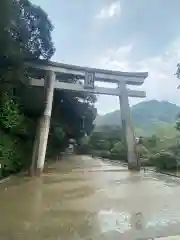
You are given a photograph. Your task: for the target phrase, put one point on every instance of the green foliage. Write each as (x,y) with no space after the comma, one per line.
(119,151)
(103,154)
(56,140)
(10,113)
(105,142)
(28,30)
(59,133)
(177,126)
(166,131)
(11,154)
(33,30)
(146,163)
(6,151)
(161,149)
(118,147)
(102,145)
(76,112)
(142,151)
(84,149)
(13,157)
(175,149)
(112,133)
(105,137)
(25,35)
(164,160)
(150,143)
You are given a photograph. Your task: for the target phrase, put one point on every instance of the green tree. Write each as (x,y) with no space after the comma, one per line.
(110,134)
(119,151)
(178,123)
(25,33)
(164,160)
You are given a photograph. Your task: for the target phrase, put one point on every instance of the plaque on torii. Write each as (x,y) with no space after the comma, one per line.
(89,80)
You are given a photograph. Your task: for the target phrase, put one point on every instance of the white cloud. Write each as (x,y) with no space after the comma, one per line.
(110,11)
(116,59)
(161,83)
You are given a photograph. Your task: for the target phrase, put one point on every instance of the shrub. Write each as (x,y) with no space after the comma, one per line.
(11,154)
(10,114)
(119,152)
(175,149)
(142,151)
(103,154)
(164,160)
(146,163)
(15,137)
(84,149)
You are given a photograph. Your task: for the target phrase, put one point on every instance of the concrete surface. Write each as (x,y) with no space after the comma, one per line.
(85,198)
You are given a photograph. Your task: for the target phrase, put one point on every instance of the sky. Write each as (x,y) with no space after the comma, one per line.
(125,35)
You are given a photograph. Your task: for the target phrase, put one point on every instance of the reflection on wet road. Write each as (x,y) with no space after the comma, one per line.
(85,198)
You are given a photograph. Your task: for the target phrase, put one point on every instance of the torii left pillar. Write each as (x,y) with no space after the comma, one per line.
(40,144)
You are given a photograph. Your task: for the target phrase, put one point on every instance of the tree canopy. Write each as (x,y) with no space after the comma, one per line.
(25,35)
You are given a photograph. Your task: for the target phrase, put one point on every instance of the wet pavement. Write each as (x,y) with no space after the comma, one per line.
(86,198)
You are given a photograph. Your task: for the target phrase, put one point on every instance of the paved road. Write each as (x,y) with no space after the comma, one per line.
(85,198)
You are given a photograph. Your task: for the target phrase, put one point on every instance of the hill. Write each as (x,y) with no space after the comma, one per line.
(147,116)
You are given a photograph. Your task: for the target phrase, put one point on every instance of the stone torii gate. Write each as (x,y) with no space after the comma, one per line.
(52,71)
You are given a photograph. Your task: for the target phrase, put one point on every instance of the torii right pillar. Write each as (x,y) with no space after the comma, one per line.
(127,127)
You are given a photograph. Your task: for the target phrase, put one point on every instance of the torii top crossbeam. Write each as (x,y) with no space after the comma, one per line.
(130,78)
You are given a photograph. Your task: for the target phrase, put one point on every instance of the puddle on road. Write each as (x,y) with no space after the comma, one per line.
(51,203)
(124,221)
(52,180)
(110,220)
(82,192)
(163,221)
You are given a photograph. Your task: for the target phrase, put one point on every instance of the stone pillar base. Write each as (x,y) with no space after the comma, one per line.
(31,172)
(44,132)
(38,172)
(133,166)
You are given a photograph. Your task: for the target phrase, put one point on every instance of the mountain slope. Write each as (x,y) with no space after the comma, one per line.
(147,116)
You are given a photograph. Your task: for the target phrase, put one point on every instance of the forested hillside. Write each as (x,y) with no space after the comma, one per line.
(147,116)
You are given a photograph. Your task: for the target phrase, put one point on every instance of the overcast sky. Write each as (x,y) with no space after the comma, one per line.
(126,35)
